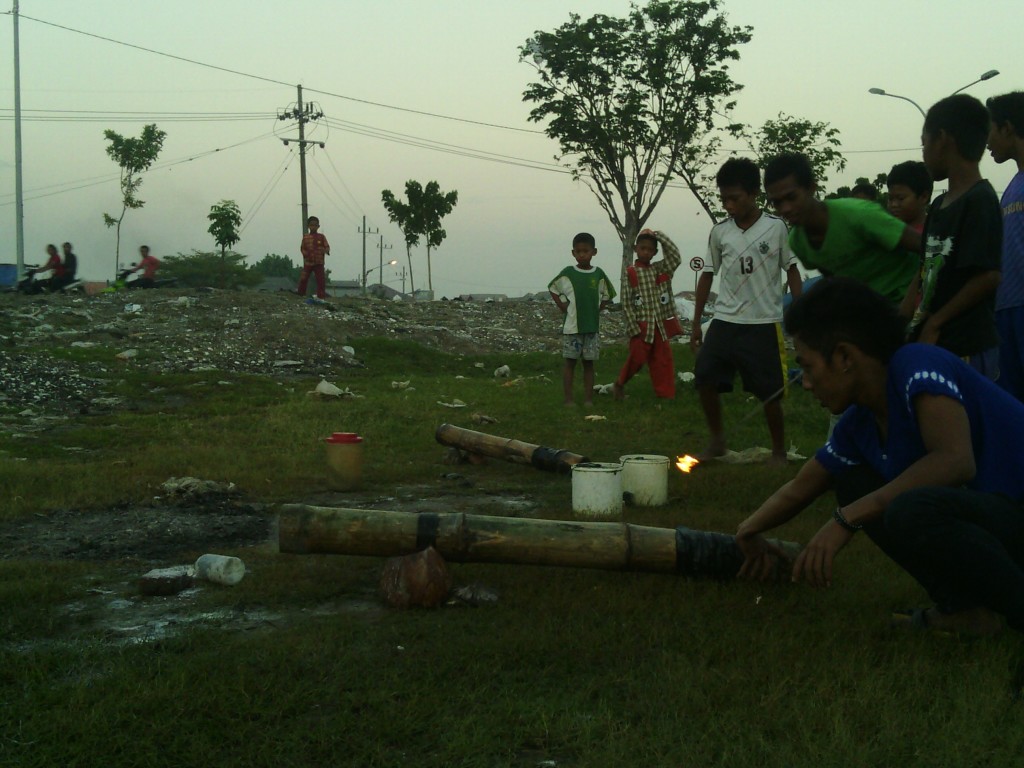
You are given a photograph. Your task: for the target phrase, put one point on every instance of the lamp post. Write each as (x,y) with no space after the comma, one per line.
(984,76)
(366,274)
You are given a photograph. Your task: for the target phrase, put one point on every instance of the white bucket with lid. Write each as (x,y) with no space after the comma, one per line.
(645,478)
(597,489)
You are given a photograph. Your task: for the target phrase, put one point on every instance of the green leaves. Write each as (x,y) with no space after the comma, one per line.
(225,218)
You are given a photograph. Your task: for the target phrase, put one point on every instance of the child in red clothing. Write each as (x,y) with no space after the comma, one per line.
(314,247)
(149,265)
(651,320)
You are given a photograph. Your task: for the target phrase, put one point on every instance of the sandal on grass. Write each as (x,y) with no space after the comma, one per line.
(973,623)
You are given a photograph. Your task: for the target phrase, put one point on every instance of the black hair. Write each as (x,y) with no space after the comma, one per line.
(865,190)
(965,119)
(49,246)
(739,172)
(313,218)
(586,238)
(1008,108)
(913,174)
(650,237)
(793,164)
(69,245)
(840,309)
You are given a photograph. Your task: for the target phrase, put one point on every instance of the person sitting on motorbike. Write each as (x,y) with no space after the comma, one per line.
(149,265)
(33,285)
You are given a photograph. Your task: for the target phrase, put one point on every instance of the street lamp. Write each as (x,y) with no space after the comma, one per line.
(985,76)
(366,274)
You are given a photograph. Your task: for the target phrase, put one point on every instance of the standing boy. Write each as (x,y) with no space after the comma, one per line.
(910,191)
(314,247)
(748,252)
(844,236)
(651,320)
(581,291)
(959,271)
(1006,142)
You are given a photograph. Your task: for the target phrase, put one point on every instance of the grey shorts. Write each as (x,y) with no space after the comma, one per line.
(577,345)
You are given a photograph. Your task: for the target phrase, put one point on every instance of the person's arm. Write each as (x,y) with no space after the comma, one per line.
(948,461)
(794,281)
(787,502)
(327,246)
(562,305)
(911,240)
(699,301)
(976,290)
(673,258)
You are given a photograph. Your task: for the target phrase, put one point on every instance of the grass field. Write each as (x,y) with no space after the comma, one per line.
(568,668)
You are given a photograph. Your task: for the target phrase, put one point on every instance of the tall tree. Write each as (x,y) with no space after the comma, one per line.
(134,156)
(628,99)
(435,206)
(404,214)
(225,219)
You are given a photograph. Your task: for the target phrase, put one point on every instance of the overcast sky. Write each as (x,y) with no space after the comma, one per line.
(511,230)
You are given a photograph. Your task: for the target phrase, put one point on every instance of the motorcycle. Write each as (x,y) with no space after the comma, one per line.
(123,283)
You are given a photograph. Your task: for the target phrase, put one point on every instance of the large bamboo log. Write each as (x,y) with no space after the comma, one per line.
(508,449)
(460,537)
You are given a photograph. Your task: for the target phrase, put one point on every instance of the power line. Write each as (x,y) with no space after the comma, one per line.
(276,82)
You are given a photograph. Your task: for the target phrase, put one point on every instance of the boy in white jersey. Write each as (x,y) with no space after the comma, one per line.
(748,252)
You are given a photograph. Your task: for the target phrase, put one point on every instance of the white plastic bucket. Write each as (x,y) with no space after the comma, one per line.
(597,489)
(645,478)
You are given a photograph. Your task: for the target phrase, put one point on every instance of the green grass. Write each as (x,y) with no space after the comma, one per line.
(575,667)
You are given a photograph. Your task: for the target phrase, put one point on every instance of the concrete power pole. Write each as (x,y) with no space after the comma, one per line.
(364,232)
(302,113)
(19,196)
(380,273)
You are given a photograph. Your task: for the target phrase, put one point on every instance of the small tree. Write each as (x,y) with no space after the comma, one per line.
(225,219)
(275,265)
(435,206)
(207,268)
(134,156)
(405,215)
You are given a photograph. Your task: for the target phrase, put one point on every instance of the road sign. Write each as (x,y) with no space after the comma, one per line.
(696,263)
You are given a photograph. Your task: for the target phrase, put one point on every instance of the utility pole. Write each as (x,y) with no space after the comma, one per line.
(380,273)
(19,196)
(303,114)
(364,232)
(403,281)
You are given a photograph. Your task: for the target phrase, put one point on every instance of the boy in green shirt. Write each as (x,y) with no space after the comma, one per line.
(845,236)
(581,291)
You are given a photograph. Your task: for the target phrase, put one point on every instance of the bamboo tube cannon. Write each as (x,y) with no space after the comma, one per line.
(461,537)
(509,449)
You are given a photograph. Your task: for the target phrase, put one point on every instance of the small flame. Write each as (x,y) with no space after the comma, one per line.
(686,463)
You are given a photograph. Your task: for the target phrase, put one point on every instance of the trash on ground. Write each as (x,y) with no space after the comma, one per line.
(686,376)
(483,418)
(350,351)
(502,372)
(399,384)
(605,389)
(756,455)
(473,594)
(132,309)
(595,417)
(128,354)
(178,488)
(220,569)
(167,581)
(456,403)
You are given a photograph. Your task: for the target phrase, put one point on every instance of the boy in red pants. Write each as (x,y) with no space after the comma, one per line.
(650,314)
(314,248)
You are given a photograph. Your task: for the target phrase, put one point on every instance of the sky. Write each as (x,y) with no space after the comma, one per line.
(388,76)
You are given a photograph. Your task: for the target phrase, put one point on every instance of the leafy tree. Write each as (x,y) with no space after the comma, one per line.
(274,265)
(134,156)
(632,101)
(879,183)
(206,268)
(225,219)
(817,140)
(405,215)
(434,207)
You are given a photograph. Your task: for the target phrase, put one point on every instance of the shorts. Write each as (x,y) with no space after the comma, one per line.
(577,345)
(757,352)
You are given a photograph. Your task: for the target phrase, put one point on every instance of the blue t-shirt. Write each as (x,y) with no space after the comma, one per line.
(1011,288)
(995,416)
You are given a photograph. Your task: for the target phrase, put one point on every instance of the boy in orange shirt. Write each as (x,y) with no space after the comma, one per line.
(314,247)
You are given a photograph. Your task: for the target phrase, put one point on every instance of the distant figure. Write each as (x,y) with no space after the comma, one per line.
(955,290)
(581,291)
(53,265)
(650,308)
(926,461)
(149,265)
(70,265)
(1006,142)
(749,252)
(864,191)
(842,236)
(910,191)
(314,247)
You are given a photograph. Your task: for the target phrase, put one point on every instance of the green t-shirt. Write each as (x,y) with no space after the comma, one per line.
(862,242)
(584,290)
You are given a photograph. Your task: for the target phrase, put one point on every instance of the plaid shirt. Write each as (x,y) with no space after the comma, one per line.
(313,248)
(645,303)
